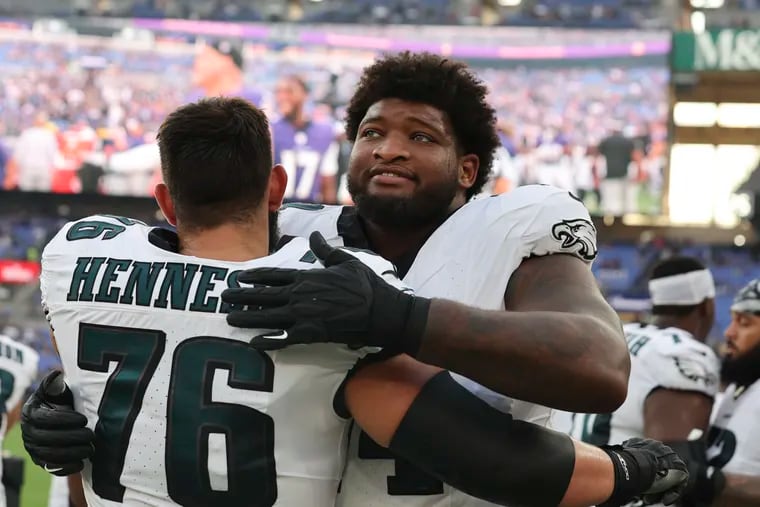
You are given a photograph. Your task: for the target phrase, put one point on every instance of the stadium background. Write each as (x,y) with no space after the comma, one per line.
(564,75)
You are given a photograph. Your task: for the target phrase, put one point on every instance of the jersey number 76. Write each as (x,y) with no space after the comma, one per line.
(193,421)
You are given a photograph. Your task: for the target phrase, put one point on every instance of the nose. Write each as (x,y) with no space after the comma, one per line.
(392,147)
(730,332)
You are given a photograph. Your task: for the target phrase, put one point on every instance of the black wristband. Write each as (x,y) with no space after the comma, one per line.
(633,475)
(417,317)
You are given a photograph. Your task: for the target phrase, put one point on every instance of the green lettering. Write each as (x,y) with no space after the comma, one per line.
(308,257)
(91,229)
(142,280)
(209,274)
(83,278)
(635,343)
(108,294)
(178,279)
(232,283)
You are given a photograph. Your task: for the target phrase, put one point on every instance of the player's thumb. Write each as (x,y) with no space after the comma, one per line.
(329,255)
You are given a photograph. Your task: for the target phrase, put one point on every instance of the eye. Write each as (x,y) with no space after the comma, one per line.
(370,133)
(422,138)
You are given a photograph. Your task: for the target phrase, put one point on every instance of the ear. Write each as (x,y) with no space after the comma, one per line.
(468,170)
(164,200)
(278,181)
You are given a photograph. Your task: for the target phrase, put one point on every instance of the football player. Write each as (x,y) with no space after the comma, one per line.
(175,408)
(306,148)
(424,137)
(18,369)
(733,445)
(218,71)
(674,374)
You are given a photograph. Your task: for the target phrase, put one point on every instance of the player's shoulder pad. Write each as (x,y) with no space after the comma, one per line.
(548,220)
(381,266)
(675,360)
(301,219)
(78,235)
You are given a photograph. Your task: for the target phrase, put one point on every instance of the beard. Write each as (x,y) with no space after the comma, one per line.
(274,231)
(743,370)
(424,207)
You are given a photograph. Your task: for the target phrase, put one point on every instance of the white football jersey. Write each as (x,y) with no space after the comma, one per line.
(470,259)
(668,358)
(184,411)
(18,369)
(733,443)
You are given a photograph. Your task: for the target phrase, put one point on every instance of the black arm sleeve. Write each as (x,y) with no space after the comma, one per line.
(460,439)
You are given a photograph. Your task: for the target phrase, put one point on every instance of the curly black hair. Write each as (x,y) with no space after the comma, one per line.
(445,84)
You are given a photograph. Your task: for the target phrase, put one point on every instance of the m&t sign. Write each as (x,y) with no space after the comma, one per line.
(716,50)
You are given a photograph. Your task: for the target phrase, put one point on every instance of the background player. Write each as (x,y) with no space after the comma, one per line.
(166,291)
(733,443)
(18,369)
(306,148)
(424,138)
(674,375)
(218,71)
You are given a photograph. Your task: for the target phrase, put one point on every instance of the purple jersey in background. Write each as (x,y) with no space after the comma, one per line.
(308,154)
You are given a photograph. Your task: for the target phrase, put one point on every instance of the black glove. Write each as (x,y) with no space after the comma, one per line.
(647,470)
(344,303)
(704,488)
(55,436)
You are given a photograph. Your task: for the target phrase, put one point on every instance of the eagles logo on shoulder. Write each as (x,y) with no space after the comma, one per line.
(577,236)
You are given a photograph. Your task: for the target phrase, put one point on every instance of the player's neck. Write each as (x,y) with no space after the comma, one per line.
(395,243)
(228,242)
(224,84)
(686,324)
(298,119)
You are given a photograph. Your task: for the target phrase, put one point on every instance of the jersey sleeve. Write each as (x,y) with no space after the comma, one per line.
(683,366)
(556,222)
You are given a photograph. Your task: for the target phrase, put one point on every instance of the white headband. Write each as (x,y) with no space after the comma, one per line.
(682,290)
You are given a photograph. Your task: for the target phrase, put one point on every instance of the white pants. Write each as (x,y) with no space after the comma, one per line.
(619,196)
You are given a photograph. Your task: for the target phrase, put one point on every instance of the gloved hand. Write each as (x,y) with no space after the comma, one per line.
(347,302)
(55,435)
(647,470)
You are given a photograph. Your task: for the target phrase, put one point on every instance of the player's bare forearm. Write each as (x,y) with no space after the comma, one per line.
(740,491)
(76,491)
(558,344)
(401,395)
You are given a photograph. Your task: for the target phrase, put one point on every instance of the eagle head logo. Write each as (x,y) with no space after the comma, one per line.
(577,236)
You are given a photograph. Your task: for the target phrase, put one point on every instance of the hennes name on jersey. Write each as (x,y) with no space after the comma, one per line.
(470,259)
(184,411)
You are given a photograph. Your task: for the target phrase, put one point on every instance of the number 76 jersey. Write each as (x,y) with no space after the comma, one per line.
(184,411)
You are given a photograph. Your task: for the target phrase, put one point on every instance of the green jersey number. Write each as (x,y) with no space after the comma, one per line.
(192,416)
(7,382)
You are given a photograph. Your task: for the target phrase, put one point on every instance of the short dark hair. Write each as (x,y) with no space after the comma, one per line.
(445,84)
(216,158)
(671,267)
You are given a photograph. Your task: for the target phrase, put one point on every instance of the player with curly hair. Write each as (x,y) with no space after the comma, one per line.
(424,136)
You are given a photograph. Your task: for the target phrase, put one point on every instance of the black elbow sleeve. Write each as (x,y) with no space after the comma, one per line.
(460,439)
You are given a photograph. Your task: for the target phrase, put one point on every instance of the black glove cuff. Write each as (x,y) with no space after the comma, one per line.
(631,477)
(416,322)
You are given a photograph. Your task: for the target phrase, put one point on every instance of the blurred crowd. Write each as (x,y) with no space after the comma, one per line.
(81,116)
